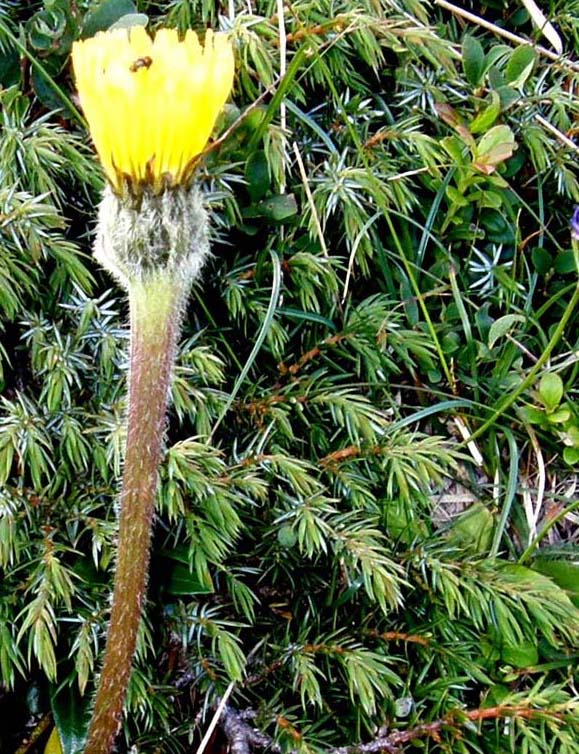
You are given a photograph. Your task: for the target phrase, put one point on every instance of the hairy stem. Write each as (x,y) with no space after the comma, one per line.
(155,314)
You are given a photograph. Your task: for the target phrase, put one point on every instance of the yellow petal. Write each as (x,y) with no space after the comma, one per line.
(53,745)
(151,104)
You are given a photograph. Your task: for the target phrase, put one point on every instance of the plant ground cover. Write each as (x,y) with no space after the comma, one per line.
(367,512)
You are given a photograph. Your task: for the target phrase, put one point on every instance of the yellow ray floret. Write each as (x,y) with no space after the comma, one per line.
(151,104)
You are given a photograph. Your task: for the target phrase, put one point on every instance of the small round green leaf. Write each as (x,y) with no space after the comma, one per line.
(551,390)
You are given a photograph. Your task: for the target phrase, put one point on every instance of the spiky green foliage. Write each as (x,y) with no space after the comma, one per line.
(392,259)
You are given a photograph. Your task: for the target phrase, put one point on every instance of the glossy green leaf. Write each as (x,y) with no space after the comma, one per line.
(279,208)
(565,573)
(520,65)
(551,390)
(130,20)
(496,146)
(522,655)
(106,14)
(180,581)
(257,175)
(70,712)
(474,528)
(542,260)
(9,68)
(487,116)
(502,326)
(473,60)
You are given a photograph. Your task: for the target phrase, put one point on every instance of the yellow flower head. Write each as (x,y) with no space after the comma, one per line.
(151,104)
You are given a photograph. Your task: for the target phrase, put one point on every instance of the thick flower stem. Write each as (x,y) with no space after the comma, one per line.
(155,315)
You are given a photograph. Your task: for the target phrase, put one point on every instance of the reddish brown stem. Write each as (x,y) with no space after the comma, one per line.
(154,331)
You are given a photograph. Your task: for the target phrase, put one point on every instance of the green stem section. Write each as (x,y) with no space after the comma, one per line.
(530,378)
(155,315)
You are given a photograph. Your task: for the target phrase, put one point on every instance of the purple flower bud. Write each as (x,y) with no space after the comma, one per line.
(575,225)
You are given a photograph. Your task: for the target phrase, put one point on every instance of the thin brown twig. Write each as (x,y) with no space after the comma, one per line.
(337,456)
(401,636)
(264,672)
(293,369)
(244,739)
(41,727)
(352,451)
(456,719)
(241,736)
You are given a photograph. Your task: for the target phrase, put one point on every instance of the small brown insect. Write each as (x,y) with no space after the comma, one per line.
(140,63)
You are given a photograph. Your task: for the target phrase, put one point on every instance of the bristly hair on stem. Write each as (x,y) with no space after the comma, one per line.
(155,249)
(155,311)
